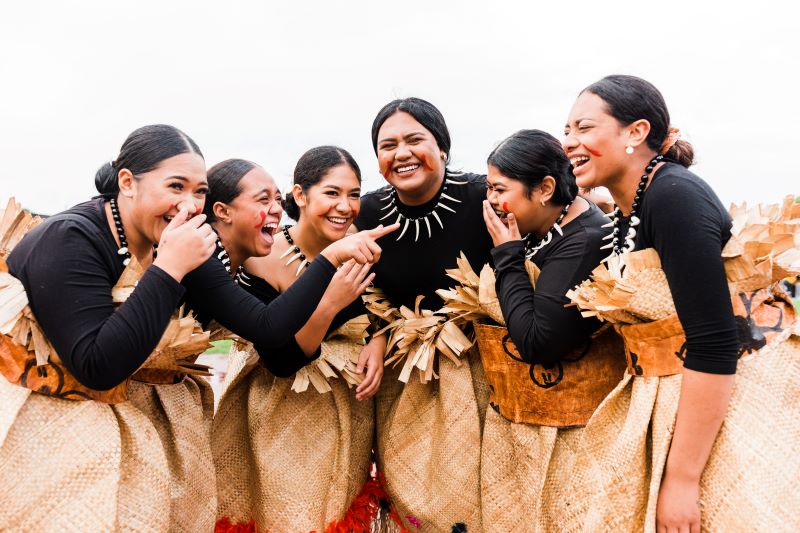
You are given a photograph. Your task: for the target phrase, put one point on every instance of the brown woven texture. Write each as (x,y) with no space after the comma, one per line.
(524,470)
(182,414)
(290,461)
(429,438)
(564,395)
(79,466)
(751,481)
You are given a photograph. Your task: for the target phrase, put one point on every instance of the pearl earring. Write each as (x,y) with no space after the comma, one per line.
(629,149)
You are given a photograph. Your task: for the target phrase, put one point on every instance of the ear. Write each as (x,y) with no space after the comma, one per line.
(299,197)
(221,212)
(127,184)
(547,188)
(637,132)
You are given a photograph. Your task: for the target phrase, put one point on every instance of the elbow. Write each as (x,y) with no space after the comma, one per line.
(99,381)
(285,363)
(544,353)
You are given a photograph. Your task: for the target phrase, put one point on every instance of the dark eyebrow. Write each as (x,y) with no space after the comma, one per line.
(267,192)
(185,179)
(333,187)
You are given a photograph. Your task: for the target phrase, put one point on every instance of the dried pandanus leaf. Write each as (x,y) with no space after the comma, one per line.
(16,318)
(632,288)
(339,355)
(765,244)
(626,289)
(15,222)
(476,296)
(416,335)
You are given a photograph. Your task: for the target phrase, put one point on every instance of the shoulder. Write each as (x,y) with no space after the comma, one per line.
(675,182)
(468,181)
(371,204)
(78,225)
(269,269)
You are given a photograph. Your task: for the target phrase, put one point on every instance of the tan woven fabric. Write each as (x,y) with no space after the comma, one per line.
(752,479)
(181,415)
(79,467)
(429,438)
(290,461)
(524,469)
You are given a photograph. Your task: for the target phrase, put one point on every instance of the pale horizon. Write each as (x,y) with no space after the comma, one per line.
(266,83)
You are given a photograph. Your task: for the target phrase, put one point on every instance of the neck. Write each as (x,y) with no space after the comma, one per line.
(623,188)
(138,245)
(236,255)
(552,212)
(308,239)
(420,197)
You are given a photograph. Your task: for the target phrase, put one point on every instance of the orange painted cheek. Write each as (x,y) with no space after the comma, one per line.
(262,215)
(505,207)
(595,153)
(425,158)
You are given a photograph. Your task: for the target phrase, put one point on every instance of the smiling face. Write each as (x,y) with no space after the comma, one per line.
(331,205)
(252,217)
(507,195)
(595,142)
(154,197)
(409,157)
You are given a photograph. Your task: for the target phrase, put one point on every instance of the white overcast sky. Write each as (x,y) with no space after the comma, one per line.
(267,80)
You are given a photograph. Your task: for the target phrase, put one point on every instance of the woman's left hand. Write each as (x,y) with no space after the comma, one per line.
(372,357)
(678,508)
(500,233)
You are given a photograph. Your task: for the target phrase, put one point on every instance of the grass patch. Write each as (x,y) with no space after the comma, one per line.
(218,347)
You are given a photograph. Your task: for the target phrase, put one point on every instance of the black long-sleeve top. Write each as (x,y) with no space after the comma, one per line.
(540,326)
(684,220)
(69,264)
(407,267)
(286,361)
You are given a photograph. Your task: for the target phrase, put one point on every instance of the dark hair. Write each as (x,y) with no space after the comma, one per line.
(141,152)
(530,155)
(223,183)
(423,112)
(630,99)
(312,167)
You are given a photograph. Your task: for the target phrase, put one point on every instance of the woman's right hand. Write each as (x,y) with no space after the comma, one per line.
(361,246)
(185,244)
(349,282)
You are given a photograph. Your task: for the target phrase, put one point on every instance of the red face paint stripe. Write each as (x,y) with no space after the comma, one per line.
(425,162)
(199,210)
(263,216)
(593,152)
(505,207)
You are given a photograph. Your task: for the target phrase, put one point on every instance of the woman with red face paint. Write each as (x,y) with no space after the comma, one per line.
(68,372)
(665,452)
(428,433)
(292,453)
(532,192)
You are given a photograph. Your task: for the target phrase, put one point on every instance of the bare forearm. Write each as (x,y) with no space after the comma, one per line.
(701,410)
(313,333)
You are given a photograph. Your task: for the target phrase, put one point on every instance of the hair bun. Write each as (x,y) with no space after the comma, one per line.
(105,180)
(290,207)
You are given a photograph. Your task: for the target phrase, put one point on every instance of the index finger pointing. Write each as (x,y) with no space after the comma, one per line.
(382,230)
